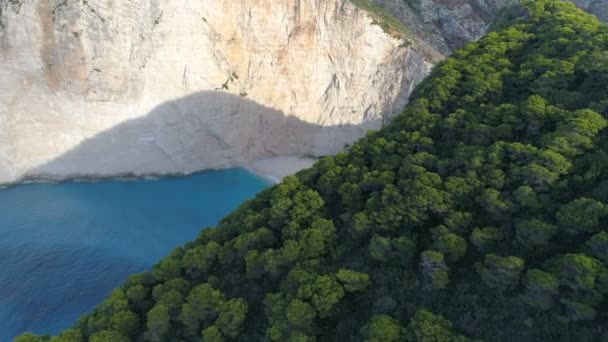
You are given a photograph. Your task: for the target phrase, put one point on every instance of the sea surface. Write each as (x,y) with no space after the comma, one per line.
(64,247)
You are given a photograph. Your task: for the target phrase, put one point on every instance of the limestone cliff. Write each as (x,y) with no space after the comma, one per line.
(154,86)
(109,87)
(444,25)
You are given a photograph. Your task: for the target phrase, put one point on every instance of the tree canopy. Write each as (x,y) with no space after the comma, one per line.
(479,213)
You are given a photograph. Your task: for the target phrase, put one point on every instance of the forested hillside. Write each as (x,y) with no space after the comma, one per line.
(481,212)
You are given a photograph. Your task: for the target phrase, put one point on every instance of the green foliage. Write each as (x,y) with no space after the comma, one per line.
(392,250)
(324,292)
(585,277)
(301,314)
(452,246)
(353,281)
(108,336)
(484,201)
(598,245)
(485,238)
(433,270)
(428,327)
(501,273)
(71,335)
(383,18)
(531,233)
(212,334)
(232,315)
(29,337)
(541,287)
(581,215)
(381,328)
(158,323)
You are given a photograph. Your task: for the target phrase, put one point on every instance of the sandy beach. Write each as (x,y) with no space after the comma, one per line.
(275,169)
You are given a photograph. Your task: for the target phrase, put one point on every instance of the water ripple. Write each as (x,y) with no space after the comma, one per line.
(65,246)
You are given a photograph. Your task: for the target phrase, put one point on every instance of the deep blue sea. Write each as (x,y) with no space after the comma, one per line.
(64,247)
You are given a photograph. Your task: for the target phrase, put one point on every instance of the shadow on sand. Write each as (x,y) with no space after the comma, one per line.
(204,130)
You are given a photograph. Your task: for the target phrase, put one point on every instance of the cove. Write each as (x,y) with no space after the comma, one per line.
(64,247)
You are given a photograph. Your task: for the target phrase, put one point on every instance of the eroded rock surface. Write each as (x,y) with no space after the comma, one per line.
(106,87)
(180,87)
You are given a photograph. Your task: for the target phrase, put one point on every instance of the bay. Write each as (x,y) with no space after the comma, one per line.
(65,246)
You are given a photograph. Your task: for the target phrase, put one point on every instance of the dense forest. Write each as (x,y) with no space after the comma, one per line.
(479,213)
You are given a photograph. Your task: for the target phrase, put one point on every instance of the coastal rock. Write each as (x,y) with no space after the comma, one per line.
(445,25)
(151,86)
(441,26)
(106,88)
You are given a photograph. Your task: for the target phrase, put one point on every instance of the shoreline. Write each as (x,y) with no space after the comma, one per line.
(270,178)
(272,169)
(275,169)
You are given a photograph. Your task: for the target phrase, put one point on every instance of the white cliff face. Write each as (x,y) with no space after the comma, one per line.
(106,87)
(114,87)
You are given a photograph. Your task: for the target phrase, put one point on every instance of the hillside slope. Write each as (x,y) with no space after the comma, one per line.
(480,212)
(319,75)
(442,26)
(73,70)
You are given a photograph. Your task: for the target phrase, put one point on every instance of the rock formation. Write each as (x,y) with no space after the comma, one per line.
(102,88)
(227,82)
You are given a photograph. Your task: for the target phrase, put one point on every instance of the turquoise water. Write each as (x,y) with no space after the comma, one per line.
(64,247)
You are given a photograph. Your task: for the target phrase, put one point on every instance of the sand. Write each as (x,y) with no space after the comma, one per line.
(276,169)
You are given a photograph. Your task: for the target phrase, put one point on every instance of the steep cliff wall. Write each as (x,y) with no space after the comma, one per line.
(96,88)
(444,25)
(152,86)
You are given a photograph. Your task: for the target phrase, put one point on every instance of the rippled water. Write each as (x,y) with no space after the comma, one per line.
(64,247)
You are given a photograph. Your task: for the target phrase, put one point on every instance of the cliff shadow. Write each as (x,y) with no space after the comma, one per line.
(204,130)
